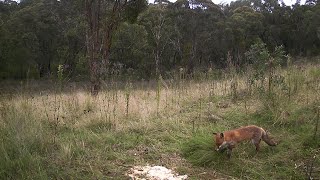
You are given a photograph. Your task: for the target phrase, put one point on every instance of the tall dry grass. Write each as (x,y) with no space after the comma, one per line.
(43,128)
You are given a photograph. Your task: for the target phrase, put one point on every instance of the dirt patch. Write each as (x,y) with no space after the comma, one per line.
(154,173)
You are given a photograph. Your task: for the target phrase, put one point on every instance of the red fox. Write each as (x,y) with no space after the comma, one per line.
(229,139)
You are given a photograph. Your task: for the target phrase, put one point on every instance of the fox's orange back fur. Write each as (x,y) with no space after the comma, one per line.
(235,136)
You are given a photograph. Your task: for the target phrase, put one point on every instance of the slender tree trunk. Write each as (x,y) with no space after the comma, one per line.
(157,59)
(93,43)
(106,47)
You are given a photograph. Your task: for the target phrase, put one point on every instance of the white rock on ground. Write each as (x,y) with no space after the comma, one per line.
(154,173)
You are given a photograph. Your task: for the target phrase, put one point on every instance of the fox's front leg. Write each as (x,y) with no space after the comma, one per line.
(229,151)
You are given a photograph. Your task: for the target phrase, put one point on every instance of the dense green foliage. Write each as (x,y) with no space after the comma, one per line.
(38,35)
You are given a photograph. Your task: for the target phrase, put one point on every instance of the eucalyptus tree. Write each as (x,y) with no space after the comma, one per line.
(159,27)
(304,27)
(71,44)
(103,18)
(244,26)
(199,25)
(129,51)
(31,39)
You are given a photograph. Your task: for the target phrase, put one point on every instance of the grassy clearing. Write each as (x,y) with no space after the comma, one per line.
(46,134)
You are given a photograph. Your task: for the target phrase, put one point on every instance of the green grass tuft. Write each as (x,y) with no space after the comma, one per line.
(200,151)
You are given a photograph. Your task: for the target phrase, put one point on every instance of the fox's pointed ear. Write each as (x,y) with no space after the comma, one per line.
(221,135)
